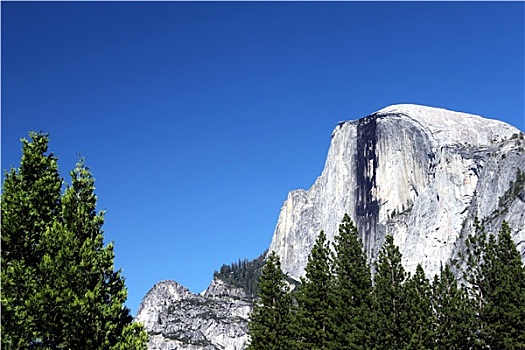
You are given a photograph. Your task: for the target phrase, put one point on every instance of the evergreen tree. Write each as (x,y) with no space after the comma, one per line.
(30,202)
(497,283)
(244,274)
(390,311)
(271,318)
(314,327)
(77,299)
(420,315)
(454,327)
(352,289)
(505,311)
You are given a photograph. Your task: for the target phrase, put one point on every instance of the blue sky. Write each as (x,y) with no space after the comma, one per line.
(196,119)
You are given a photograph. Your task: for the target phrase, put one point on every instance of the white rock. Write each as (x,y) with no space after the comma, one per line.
(419,173)
(177,319)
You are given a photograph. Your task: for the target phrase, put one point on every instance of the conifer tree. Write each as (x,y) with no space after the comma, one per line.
(271,318)
(314,327)
(389,298)
(78,297)
(30,202)
(419,312)
(497,283)
(454,327)
(352,289)
(505,308)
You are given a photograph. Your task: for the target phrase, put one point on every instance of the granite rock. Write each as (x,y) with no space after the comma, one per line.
(421,174)
(177,319)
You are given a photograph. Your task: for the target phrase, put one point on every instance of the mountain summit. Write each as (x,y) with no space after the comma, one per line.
(449,127)
(420,174)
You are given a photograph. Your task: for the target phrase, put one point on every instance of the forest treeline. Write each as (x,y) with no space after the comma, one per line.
(339,305)
(243,274)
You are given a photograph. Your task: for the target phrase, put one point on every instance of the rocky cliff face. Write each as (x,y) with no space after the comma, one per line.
(177,319)
(418,173)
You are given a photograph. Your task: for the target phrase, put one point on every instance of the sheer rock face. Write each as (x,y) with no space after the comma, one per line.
(421,174)
(177,319)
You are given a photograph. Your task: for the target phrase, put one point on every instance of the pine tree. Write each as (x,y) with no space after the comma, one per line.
(497,283)
(271,318)
(78,297)
(314,323)
(454,327)
(419,312)
(504,311)
(30,202)
(389,298)
(352,289)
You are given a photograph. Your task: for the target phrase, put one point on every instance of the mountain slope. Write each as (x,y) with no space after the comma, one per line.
(419,173)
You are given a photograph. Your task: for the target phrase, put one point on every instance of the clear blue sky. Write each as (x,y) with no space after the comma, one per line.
(198,118)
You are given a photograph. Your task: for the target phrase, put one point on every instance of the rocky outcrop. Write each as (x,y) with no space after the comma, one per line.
(177,319)
(418,173)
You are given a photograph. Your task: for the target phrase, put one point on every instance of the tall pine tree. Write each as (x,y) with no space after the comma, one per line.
(389,299)
(505,308)
(79,298)
(352,289)
(454,327)
(419,312)
(497,284)
(269,326)
(314,327)
(30,203)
